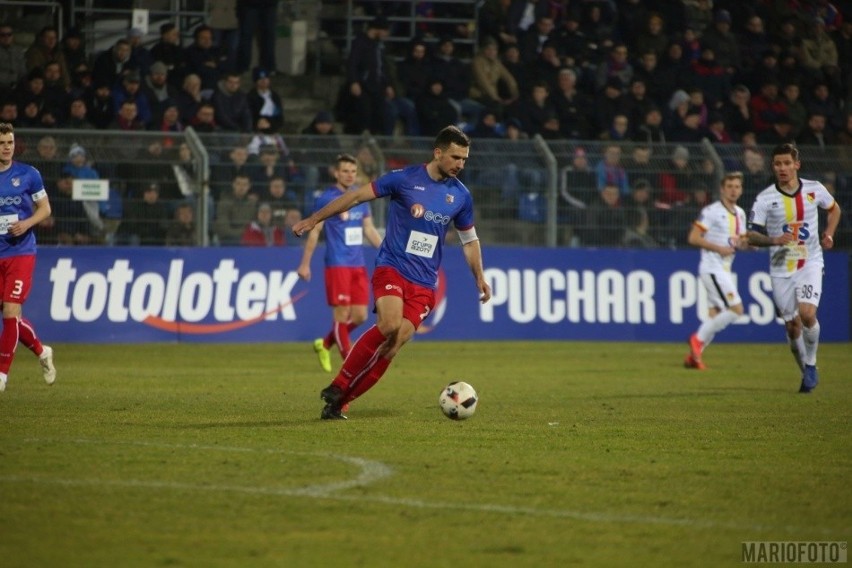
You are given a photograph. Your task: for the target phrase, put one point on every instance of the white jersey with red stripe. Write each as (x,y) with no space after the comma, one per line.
(721,226)
(775,213)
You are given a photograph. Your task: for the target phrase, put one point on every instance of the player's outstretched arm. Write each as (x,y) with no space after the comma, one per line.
(346,201)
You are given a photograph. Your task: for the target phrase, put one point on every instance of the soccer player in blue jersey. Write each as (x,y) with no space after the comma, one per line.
(23,205)
(346,282)
(424,200)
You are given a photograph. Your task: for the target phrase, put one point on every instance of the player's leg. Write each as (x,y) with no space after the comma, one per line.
(8,339)
(15,282)
(787,308)
(29,339)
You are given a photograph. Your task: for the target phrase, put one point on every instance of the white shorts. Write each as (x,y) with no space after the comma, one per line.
(803,287)
(721,290)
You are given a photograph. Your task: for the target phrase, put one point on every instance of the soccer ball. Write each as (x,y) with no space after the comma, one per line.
(458,400)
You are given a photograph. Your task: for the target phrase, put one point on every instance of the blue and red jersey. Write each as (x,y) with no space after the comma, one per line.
(419,214)
(344,233)
(20,185)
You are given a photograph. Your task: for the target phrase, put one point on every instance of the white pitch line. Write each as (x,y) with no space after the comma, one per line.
(371,472)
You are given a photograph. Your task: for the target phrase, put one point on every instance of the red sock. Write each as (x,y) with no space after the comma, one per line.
(367,381)
(341,334)
(8,342)
(28,337)
(328,340)
(361,358)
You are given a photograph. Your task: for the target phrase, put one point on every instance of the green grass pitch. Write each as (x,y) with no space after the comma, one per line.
(597,454)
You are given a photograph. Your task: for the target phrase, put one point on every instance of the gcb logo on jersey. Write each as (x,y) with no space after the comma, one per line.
(417,210)
(13,200)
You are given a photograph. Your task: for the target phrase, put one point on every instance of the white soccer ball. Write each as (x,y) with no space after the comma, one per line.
(458,400)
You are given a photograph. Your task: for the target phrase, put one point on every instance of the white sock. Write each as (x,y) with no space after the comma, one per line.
(714,325)
(3,377)
(797,348)
(810,336)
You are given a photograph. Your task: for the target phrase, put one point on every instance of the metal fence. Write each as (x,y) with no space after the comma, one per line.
(526,192)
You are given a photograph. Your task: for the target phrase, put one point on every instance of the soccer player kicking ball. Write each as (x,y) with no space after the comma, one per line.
(719,231)
(346,283)
(23,205)
(424,200)
(785,219)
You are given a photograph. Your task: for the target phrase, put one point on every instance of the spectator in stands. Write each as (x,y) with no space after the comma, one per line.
(202,58)
(577,49)
(488,126)
(168,122)
(47,160)
(9,112)
(822,100)
(654,37)
(34,108)
(615,67)
(415,71)
(434,109)
(77,116)
(605,221)
(257,19)
(639,164)
(488,75)
(619,130)
(571,106)
(100,105)
(74,49)
(608,106)
(531,43)
(816,133)
(71,223)
(599,23)
(723,42)
(456,76)
(262,232)
(677,179)
(674,70)
(45,48)
(768,68)
(580,180)
(637,233)
(157,90)
(130,90)
(709,78)
(546,68)
(231,103)
(493,22)
(736,111)
(781,132)
(649,73)
(127,117)
(55,92)
(168,51)
(756,176)
(522,14)
(796,111)
(78,167)
(844,137)
(717,130)
(753,43)
(766,107)
(234,212)
(363,98)
(81,80)
(181,231)
(280,198)
(534,110)
(223,20)
(511,59)
(650,130)
(632,19)
(637,102)
(13,65)
(321,125)
(111,65)
(146,218)
(267,110)
(818,54)
(610,171)
(223,172)
(140,57)
(189,98)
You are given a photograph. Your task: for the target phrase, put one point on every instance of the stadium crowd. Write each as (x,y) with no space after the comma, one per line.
(644,82)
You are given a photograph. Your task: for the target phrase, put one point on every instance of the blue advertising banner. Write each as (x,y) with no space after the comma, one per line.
(238,294)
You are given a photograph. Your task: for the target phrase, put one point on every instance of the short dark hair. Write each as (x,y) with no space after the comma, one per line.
(345,158)
(787,148)
(6,128)
(451,135)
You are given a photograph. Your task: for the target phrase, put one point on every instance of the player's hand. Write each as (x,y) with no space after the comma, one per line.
(827,241)
(484,292)
(742,242)
(303,226)
(785,239)
(304,273)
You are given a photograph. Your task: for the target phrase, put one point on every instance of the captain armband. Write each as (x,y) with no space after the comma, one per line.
(467,236)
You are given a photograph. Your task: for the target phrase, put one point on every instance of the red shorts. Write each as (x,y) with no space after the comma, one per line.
(346,286)
(16,277)
(418,301)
